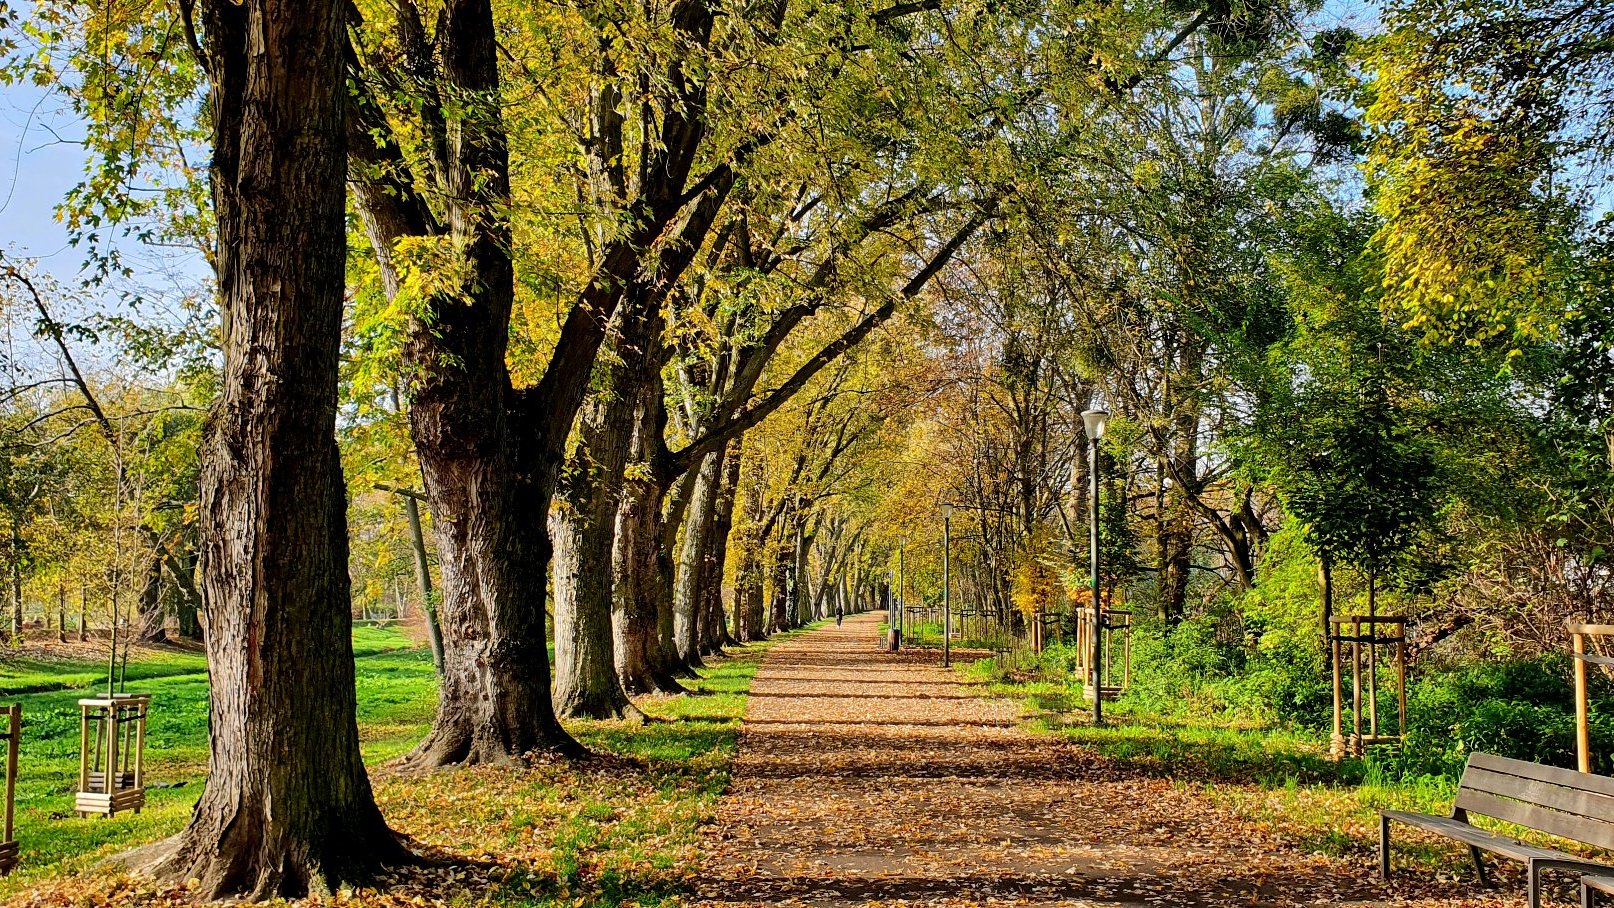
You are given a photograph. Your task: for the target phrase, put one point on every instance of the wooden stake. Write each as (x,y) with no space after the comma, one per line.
(1372,678)
(1337,744)
(1583,725)
(1356,687)
(1401,681)
(14,743)
(84,751)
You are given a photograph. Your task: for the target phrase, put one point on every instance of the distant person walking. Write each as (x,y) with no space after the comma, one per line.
(838,612)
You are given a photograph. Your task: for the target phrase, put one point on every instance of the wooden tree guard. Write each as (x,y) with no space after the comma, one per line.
(1380,631)
(1115,622)
(1586,645)
(112,754)
(8,845)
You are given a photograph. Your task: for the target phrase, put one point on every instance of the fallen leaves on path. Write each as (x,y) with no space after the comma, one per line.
(878,779)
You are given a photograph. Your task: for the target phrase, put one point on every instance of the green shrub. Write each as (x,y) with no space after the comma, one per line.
(1520,708)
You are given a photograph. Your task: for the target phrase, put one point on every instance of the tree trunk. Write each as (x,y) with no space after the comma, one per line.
(750,619)
(489,455)
(780,612)
(494,704)
(694,558)
(423,581)
(423,568)
(801,580)
(722,527)
(150,607)
(182,568)
(287,809)
(16,582)
(1175,550)
(642,640)
(583,525)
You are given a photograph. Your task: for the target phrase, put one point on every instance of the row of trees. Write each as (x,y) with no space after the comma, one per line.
(593,247)
(644,302)
(1327,391)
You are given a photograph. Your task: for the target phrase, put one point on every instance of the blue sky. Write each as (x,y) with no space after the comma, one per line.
(40,160)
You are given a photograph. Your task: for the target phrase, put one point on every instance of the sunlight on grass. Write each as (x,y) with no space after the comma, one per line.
(623,827)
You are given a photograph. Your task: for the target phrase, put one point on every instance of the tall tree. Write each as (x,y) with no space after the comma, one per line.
(287,809)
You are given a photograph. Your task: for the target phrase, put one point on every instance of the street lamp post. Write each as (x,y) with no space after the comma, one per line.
(1094,421)
(947,585)
(902,589)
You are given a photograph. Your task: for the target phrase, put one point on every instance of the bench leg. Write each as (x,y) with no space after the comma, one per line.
(1479,865)
(1384,848)
(1588,897)
(1533,882)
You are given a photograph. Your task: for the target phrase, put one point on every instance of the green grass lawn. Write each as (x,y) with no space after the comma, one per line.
(623,828)
(396,689)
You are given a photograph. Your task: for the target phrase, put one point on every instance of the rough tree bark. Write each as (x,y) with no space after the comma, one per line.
(489,454)
(287,809)
(722,527)
(642,639)
(694,557)
(149,608)
(583,525)
(750,621)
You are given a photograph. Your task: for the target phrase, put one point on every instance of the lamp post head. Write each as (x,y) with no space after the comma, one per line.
(1095,420)
(947,509)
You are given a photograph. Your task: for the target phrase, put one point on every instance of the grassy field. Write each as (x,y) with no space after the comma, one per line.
(396,689)
(619,828)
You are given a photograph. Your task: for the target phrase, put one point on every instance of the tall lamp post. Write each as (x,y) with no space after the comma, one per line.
(1094,421)
(947,584)
(902,589)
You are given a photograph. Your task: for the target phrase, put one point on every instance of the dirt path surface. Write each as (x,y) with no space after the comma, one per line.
(866,777)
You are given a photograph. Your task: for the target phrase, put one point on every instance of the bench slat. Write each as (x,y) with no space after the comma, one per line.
(1524,769)
(1589,804)
(1473,835)
(1552,822)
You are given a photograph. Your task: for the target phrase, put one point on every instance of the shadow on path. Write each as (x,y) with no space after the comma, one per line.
(866,777)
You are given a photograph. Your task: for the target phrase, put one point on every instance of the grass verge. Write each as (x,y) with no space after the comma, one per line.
(1276,778)
(623,828)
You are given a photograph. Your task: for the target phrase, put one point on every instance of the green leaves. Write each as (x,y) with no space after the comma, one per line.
(1490,135)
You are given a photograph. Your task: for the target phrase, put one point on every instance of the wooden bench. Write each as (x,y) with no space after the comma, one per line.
(1558,802)
(1591,885)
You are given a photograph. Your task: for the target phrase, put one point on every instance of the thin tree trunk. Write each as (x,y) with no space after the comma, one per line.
(16,581)
(423,568)
(150,605)
(694,560)
(722,527)
(423,581)
(287,809)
